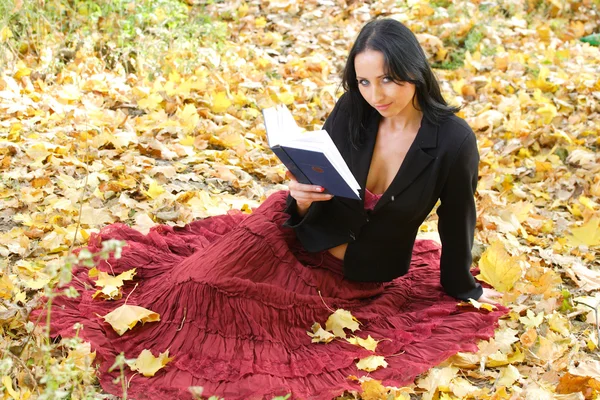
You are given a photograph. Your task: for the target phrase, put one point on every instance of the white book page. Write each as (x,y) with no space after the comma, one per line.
(283,130)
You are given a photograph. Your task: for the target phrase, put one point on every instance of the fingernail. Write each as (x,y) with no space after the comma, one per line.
(320,189)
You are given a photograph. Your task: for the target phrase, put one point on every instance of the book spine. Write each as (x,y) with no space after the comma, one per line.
(290,164)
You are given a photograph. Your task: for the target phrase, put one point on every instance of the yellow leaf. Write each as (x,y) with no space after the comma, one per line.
(548,112)
(187,141)
(508,376)
(111,284)
(260,22)
(437,377)
(7,382)
(155,190)
(532,320)
(587,234)
(220,102)
(369,343)
(6,287)
(286,98)
(189,118)
(126,317)
(558,323)
(151,103)
(147,365)
(339,320)
(588,203)
(373,390)
(320,335)
(477,305)
(498,268)
(371,363)
(5,34)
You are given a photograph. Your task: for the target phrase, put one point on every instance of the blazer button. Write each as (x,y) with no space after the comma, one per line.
(392,198)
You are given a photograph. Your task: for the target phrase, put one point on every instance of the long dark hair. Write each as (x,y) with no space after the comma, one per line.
(405,62)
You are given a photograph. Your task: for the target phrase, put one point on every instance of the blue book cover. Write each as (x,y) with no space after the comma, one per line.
(313,168)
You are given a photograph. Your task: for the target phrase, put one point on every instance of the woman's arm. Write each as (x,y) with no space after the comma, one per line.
(303,208)
(456,225)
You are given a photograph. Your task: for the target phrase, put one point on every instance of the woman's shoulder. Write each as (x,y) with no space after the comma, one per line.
(454,129)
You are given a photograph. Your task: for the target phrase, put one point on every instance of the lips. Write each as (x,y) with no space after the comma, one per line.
(383,106)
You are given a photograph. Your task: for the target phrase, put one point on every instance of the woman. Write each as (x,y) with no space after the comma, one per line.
(236,294)
(408,149)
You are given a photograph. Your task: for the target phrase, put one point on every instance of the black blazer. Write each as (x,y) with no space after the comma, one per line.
(442,163)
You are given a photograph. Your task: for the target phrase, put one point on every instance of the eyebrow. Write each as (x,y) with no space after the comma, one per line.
(380,76)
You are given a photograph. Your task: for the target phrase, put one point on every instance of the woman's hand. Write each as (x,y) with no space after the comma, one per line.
(489,296)
(305,194)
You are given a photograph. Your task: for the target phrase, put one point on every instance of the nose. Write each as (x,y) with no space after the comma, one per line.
(376,93)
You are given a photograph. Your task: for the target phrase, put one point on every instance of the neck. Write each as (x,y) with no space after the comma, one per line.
(404,122)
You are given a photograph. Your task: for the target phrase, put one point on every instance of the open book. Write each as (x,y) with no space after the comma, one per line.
(311,157)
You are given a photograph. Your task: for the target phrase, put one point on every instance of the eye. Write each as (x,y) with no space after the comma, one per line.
(387,79)
(363,82)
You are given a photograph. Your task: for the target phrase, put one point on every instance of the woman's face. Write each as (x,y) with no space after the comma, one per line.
(378,89)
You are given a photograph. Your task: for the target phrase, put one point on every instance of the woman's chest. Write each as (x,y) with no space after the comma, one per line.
(389,153)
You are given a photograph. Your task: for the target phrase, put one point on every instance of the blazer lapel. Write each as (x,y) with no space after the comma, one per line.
(361,157)
(414,164)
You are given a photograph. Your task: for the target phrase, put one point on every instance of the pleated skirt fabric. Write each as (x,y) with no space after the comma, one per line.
(237,294)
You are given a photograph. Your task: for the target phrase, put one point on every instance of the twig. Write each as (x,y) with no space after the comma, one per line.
(329,308)
(183,320)
(37,389)
(130,378)
(575,313)
(136,285)
(597,323)
(397,354)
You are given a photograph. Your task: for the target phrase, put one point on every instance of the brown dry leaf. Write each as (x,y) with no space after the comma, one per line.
(498,268)
(320,335)
(371,363)
(529,337)
(339,320)
(147,365)
(126,317)
(584,277)
(574,384)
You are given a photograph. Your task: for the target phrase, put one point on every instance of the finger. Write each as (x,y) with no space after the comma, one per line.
(308,197)
(301,187)
(290,176)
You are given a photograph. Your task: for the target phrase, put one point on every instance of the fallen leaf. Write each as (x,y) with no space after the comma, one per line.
(531,320)
(508,376)
(126,317)
(371,363)
(587,234)
(339,320)
(477,305)
(111,285)
(373,390)
(320,335)
(369,343)
(584,277)
(498,268)
(147,365)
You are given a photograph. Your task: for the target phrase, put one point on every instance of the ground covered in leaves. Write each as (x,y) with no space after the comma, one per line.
(148,112)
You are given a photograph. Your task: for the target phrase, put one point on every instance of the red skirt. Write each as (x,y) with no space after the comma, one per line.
(236,295)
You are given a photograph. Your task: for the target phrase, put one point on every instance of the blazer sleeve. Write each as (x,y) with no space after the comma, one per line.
(456,224)
(295,219)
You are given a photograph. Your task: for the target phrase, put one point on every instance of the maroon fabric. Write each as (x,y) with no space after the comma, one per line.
(371,199)
(236,295)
